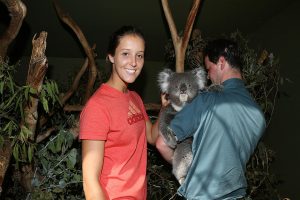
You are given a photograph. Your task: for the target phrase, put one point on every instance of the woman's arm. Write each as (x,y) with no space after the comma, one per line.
(152,130)
(92,162)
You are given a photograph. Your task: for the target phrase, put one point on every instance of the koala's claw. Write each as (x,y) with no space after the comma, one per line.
(181,180)
(170,138)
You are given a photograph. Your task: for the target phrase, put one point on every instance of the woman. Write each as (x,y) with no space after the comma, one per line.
(114,126)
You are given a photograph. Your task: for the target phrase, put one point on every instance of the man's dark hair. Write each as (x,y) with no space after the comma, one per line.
(226,48)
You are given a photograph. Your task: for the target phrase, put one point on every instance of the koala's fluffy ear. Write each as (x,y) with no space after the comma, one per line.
(201,77)
(164,79)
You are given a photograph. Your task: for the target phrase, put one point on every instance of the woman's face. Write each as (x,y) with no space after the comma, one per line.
(128,60)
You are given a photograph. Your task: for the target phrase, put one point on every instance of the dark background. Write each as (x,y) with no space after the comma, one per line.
(270,24)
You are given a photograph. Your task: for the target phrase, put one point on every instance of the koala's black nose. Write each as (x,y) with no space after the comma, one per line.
(183,88)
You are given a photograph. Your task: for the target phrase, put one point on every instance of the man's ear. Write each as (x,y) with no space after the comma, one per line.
(222,61)
(111,58)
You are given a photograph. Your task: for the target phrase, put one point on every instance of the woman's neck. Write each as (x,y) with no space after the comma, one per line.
(122,87)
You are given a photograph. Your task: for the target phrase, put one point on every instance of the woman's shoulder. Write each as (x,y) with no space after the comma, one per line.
(100,98)
(134,93)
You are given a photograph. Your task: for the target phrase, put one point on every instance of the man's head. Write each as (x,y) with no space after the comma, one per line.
(222,60)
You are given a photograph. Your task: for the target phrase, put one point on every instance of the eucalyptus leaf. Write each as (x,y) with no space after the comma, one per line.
(16,152)
(1,87)
(72,158)
(45,104)
(30,152)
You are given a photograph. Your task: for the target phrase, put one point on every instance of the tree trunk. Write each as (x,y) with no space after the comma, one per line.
(5,155)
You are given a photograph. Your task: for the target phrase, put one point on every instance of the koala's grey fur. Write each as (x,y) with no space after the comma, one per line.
(180,88)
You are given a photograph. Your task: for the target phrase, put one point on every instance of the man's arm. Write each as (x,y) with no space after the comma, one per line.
(165,151)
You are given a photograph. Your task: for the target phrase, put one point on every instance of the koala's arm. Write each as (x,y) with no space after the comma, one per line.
(170,138)
(166,115)
(161,143)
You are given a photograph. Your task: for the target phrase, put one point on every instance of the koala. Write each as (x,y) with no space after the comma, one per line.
(180,88)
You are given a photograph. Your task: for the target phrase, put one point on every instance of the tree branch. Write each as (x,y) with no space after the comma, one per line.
(88,50)
(17,10)
(180,43)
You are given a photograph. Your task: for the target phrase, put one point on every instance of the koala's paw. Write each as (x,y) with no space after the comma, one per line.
(170,138)
(215,88)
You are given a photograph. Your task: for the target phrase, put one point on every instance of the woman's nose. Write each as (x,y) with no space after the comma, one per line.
(133,61)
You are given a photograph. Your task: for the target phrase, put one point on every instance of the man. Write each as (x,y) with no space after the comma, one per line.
(226,126)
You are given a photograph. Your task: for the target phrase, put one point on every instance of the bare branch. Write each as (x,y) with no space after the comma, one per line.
(17,10)
(88,50)
(152,107)
(180,43)
(70,108)
(189,24)
(171,23)
(75,84)
(44,135)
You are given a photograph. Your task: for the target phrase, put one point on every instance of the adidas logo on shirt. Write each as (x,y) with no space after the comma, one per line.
(134,114)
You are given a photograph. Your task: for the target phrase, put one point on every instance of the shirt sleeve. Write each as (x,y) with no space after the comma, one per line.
(186,121)
(94,122)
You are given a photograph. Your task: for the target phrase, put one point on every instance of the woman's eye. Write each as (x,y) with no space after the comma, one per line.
(125,54)
(140,56)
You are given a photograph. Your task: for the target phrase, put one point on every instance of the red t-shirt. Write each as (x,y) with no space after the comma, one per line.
(119,119)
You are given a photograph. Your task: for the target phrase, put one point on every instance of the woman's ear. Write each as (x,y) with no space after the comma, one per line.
(111,58)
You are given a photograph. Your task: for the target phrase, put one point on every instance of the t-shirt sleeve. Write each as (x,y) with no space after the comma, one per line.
(186,121)
(94,122)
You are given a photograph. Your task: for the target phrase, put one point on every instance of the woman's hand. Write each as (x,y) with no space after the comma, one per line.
(164,100)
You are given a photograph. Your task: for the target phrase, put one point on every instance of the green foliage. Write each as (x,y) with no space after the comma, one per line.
(14,99)
(58,169)
(56,161)
(11,101)
(49,93)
